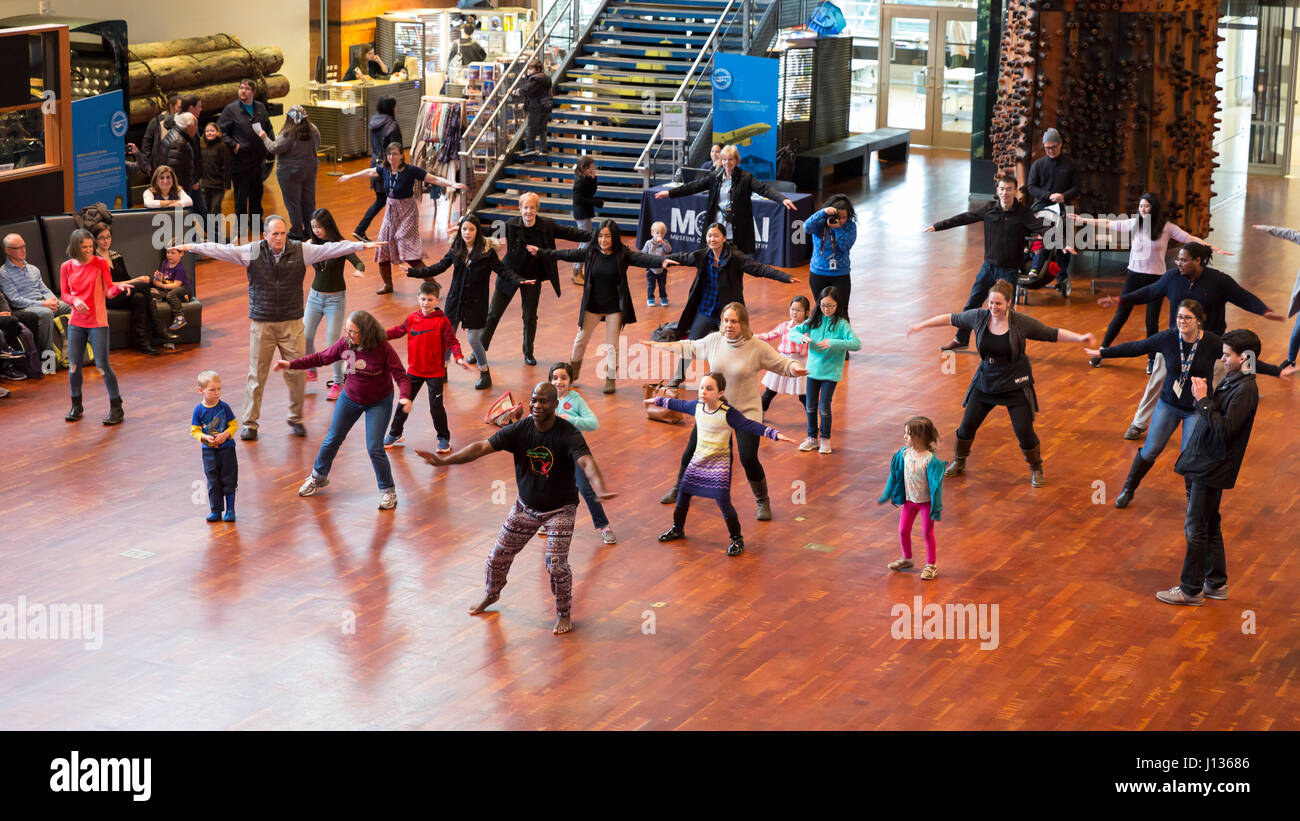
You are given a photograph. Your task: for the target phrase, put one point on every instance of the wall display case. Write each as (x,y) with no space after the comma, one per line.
(501,33)
(346,108)
(35,121)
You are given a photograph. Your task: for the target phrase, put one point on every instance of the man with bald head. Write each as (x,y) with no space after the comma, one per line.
(32,301)
(276,268)
(546,449)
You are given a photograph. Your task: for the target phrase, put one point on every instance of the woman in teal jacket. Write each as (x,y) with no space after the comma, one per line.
(829,337)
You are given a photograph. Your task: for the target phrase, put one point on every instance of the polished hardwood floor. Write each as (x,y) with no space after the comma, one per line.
(328,613)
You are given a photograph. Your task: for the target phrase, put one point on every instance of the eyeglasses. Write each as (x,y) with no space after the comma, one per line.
(1185,317)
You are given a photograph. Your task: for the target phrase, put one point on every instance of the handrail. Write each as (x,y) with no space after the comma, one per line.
(487,118)
(710,46)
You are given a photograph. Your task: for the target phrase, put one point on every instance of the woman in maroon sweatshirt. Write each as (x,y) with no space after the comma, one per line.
(371,365)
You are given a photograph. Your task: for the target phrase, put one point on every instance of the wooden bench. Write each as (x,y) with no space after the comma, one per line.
(848,156)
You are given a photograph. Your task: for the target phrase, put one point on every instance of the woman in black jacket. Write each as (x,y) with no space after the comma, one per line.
(145,321)
(1004,376)
(535,91)
(472,258)
(730,191)
(383,131)
(719,262)
(605,294)
(585,201)
(216,169)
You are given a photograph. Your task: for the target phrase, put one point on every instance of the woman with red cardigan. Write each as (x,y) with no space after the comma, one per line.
(372,366)
(85,282)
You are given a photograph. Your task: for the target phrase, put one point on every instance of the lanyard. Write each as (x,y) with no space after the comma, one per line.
(1186,362)
(828,238)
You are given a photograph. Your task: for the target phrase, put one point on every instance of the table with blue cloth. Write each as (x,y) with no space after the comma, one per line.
(775,242)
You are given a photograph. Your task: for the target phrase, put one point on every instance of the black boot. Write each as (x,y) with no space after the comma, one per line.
(737,546)
(484,380)
(669,498)
(759,488)
(1035,459)
(958,464)
(672,534)
(115,415)
(77,411)
(1135,474)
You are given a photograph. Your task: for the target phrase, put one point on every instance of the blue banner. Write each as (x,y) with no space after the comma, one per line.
(745,109)
(99,151)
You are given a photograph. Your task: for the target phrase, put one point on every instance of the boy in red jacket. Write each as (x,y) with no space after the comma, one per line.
(430,338)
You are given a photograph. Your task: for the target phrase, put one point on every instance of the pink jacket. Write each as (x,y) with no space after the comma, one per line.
(782,332)
(91,283)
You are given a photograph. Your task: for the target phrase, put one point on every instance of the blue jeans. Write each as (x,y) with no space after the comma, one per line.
(332,308)
(1294,349)
(1163,421)
(98,338)
(984,280)
(346,414)
(819,395)
(598,517)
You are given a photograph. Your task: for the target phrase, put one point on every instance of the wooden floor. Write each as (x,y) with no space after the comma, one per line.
(247,625)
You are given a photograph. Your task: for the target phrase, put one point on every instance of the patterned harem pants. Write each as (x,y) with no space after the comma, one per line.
(519,528)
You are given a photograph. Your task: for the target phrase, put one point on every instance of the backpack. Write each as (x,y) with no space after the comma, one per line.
(30,364)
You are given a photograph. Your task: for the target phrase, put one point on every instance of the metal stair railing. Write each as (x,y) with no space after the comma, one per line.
(560,33)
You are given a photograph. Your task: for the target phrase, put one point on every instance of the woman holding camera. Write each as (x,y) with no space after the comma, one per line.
(833,229)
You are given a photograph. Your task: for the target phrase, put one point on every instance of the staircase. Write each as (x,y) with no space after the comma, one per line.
(638,50)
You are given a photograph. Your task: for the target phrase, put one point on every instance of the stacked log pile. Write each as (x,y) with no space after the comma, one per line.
(1130,84)
(210,67)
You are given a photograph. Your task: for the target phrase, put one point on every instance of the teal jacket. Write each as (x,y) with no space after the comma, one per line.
(827,365)
(896,490)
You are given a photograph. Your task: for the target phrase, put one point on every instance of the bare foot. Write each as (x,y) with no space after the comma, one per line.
(483,605)
(563,625)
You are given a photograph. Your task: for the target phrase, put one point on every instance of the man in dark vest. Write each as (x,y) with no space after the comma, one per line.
(248,153)
(521,231)
(276,268)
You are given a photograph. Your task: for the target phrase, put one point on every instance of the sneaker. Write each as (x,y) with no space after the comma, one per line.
(1175,595)
(388,500)
(169,346)
(825,447)
(312,484)
(297,429)
(178,323)
(311,374)
(391,441)
(900,564)
(954,346)
(1095,361)
(929,572)
(649,303)
(11,353)
(444,445)
(663,302)
(807,445)
(248,434)
(607,535)
(1134,432)
(1220,592)
(334,391)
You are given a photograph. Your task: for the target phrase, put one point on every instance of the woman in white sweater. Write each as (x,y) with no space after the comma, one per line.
(733,351)
(1149,235)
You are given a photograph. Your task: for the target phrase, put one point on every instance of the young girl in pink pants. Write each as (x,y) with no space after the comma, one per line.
(916,483)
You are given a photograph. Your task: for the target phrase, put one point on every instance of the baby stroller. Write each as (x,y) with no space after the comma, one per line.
(1043,267)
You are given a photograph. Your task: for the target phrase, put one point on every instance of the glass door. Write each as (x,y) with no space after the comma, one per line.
(927,76)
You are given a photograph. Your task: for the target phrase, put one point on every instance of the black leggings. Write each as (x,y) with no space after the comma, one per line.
(746,446)
(729,514)
(1022,422)
(769,395)
(1132,281)
(843,284)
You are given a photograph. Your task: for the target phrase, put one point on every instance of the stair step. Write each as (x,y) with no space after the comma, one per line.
(642,24)
(596,49)
(632,106)
(624,211)
(603,161)
(562,190)
(565,172)
(669,13)
(599,131)
(717,5)
(702,93)
(614,118)
(634,64)
(630,78)
(634,147)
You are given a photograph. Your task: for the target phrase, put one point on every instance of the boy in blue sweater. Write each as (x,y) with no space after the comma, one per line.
(214,425)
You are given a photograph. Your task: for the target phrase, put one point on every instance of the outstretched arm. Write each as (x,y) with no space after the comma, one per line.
(935,321)
(466,454)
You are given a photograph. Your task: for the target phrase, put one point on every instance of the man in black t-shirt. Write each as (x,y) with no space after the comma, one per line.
(546,450)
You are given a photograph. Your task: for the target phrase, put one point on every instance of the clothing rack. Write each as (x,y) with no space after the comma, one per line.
(439,126)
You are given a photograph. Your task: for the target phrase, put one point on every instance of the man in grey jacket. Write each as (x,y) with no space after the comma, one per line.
(276,268)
